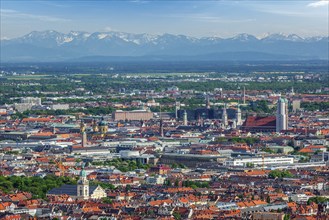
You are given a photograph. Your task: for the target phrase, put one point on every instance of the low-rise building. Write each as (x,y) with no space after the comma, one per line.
(259,160)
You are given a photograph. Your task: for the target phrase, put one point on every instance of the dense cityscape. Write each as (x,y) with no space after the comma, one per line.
(250,145)
(164,110)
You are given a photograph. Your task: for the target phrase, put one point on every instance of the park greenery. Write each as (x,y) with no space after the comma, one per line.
(195,184)
(280,174)
(187,183)
(250,165)
(260,107)
(313,106)
(122,165)
(177,165)
(318,200)
(177,216)
(36,185)
(107,200)
(102,184)
(244,140)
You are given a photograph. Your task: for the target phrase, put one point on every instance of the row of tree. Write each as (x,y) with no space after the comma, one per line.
(36,185)
(123,165)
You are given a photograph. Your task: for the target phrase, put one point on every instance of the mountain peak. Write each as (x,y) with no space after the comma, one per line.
(63,46)
(244,37)
(282,37)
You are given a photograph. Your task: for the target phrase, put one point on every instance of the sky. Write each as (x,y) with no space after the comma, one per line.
(221,18)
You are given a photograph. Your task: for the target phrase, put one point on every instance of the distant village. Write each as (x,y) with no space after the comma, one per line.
(217,160)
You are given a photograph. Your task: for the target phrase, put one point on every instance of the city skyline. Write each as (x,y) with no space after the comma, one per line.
(192,18)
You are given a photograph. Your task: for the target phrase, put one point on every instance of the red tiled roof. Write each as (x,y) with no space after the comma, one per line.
(36,120)
(256,121)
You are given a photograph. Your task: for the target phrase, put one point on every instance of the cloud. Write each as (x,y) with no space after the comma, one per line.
(53,4)
(109,29)
(4,38)
(203,17)
(16,14)
(283,12)
(319,4)
(223,20)
(3,11)
(139,1)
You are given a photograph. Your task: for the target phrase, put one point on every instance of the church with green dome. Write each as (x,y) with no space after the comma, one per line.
(80,191)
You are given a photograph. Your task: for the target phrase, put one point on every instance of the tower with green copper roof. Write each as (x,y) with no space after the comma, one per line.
(83,185)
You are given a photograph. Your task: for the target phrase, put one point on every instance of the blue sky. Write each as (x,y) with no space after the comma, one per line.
(223,18)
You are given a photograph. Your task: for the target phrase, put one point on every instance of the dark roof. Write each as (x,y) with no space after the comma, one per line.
(257,121)
(70,190)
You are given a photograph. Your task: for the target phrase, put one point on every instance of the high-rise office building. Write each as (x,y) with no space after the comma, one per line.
(282,115)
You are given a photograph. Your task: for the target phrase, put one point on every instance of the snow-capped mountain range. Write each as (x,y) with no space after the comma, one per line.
(56,46)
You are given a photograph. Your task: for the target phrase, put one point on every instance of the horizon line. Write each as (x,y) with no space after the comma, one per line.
(262,36)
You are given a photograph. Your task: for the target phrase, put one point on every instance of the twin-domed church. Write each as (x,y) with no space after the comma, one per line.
(80,191)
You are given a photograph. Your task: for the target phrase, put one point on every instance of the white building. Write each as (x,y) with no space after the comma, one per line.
(282,115)
(156,180)
(21,107)
(60,106)
(227,206)
(27,103)
(31,100)
(80,191)
(300,197)
(259,161)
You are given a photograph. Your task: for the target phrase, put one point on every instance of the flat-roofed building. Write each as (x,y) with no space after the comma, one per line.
(135,115)
(59,106)
(31,100)
(268,216)
(259,161)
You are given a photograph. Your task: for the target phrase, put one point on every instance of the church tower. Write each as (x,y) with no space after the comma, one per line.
(244,95)
(95,127)
(185,118)
(208,102)
(161,124)
(83,185)
(177,107)
(103,127)
(83,134)
(224,117)
(238,116)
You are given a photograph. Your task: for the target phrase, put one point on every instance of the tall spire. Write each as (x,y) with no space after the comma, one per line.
(238,116)
(83,134)
(224,117)
(185,118)
(244,95)
(207,102)
(177,107)
(161,124)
